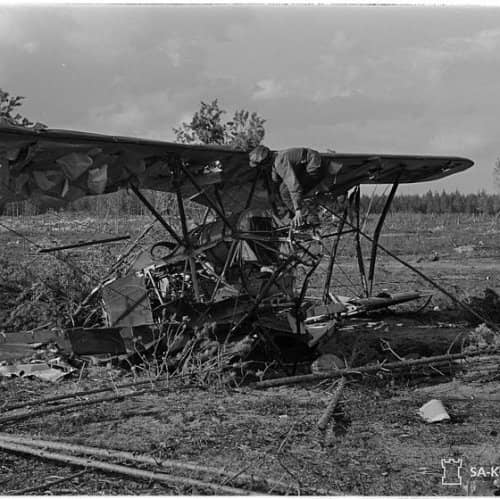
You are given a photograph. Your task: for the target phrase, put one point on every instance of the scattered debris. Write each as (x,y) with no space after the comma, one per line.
(41,371)
(483,337)
(433,412)
(460,390)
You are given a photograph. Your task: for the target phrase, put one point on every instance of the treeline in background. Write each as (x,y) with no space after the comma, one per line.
(437,203)
(125,203)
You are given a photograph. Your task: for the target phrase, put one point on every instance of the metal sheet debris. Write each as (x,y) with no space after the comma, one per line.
(41,371)
(434,412)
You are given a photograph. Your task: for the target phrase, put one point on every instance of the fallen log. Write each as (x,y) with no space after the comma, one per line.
(240,478)
(327,415)
(461,390)
(63,407)
(407,340)
(84,243)
(83,393)
(120,469)
(368,369)
(481,368)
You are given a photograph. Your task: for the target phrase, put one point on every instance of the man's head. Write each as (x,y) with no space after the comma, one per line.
(259,156)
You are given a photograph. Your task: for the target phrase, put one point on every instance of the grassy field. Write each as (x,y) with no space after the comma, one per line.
(380,447)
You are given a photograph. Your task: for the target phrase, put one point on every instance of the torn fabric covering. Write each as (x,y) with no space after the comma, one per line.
(97,180)
(74,164)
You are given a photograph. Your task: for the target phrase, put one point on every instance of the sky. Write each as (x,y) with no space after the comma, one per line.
(394,79)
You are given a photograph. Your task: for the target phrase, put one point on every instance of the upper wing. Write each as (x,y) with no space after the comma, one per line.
(58,166)
(354,169)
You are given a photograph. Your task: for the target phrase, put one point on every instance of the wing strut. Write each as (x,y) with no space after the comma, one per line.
(212,204)
(333,256)
(156,214)
(185,234)
(355,201)
(376,234)
(433,283)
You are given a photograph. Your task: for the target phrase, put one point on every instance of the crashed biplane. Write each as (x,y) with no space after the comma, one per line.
(237,268)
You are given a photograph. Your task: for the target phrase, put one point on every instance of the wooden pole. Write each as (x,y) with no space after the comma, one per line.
(83,393)
(49,410)
(86,243)
(335,373)
(120,469)
(240,478)
(327,415)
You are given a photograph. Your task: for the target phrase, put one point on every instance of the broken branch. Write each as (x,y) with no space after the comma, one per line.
(48,410)
(327,415)
(88,392)
(238,478)
(120,469)
(85,243)
(334,373)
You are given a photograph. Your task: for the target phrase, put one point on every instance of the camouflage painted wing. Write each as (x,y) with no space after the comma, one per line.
(354,169)
(55,167)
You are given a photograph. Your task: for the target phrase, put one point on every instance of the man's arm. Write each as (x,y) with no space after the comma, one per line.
(286,171)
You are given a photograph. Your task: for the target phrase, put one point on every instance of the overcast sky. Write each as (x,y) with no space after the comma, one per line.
(412,80)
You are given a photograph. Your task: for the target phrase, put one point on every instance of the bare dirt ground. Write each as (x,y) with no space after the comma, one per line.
(379,445)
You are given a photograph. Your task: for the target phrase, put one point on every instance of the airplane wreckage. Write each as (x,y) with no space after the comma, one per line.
(229,287)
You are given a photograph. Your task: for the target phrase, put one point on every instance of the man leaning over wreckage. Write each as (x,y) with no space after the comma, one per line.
(294,172)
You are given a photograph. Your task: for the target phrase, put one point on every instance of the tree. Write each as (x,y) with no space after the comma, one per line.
(243,132)
(9,106)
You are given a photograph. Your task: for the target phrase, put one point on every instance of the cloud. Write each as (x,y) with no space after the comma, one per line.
(268,89)
(172,49)
(149,115)
(11,32)
(457,141)
(484,42)
(320,76)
